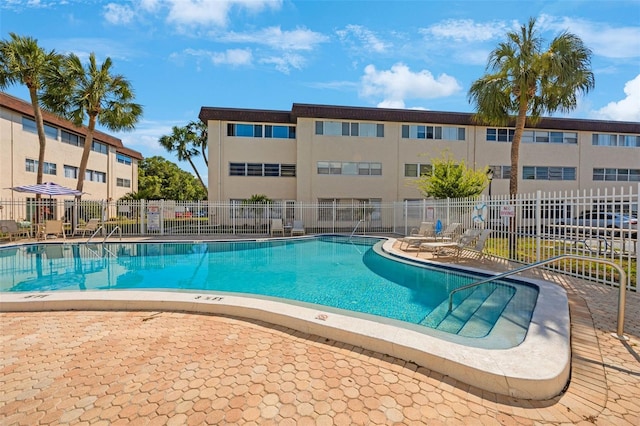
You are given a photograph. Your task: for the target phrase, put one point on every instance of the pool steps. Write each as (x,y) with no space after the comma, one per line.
(473,316)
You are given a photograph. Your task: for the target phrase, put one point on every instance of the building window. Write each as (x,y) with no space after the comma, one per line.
(348,209)
(254,169)
(31,165)
(345,128)
(259,131)
(279,132)
(71,138)
(95,176)
(629,140)
(548,173)
(29,125)
(237,169)
(433,132)
(123,159)
(600,139)
(537,136)
(287,170)
(501,172)
(262,170)
(99,147)
(70,172)
(618,175)
(124,183)
(500,135)
(48,169)
(349,168)
(417,170)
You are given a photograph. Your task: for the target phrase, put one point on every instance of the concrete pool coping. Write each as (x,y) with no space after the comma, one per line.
(538,368)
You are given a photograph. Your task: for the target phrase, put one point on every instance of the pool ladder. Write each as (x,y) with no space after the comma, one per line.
(621,298)
(354,229)
(104,249)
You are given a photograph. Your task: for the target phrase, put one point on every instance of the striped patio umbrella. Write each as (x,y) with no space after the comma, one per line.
(48,188)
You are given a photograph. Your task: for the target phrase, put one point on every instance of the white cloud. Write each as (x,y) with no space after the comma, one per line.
(368,41)
(274,37)
(627,109)
(604,40)
(185,13)
(284,63)
(207,12)
(234,57)
(466,30)
(400,83)
(118,14)
(146,135)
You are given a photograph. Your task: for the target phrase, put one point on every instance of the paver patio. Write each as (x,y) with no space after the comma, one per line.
(179,368)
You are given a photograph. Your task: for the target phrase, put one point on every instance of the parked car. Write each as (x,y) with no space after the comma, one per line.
(602,223)
(184,214)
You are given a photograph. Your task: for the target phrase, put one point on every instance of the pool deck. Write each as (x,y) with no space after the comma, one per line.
(160,367)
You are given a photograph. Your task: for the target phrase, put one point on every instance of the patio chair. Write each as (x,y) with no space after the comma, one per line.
(471,239)
(11,229)
(90,227)
(450,232)
(277,227)
(297,228)
(426,232)
(55,228)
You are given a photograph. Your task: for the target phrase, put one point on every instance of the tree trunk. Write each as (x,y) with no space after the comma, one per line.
(42,140)
(204,155)
(197,174)
(521,120)
(85,154)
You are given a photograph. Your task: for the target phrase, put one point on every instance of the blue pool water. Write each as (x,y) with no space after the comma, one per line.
(330,271)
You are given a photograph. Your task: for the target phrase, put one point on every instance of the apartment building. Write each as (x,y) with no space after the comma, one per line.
(112,170)
(323,153)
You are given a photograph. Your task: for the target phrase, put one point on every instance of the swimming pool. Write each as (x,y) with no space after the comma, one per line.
(349,275)
(359,291)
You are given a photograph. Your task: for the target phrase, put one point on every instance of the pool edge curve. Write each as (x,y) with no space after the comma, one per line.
(536,369)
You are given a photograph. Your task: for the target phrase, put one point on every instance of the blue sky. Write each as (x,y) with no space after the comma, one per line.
(181,55)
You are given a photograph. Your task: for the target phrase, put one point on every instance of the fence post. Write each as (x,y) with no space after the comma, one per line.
(333,216)
(637,240)
(538,225)
(161,217)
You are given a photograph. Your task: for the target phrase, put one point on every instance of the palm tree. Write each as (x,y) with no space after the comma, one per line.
(96,94)
(186,144)
(23,61)
(200,131)
(527,82)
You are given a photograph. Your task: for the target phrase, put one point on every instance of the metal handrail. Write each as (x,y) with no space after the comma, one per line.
(354,229)
(117,228)
(98,229)
(621,298)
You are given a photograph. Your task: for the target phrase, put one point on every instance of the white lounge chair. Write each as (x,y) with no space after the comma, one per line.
(55,228)
(277,227)
(297,228)
(426,232)
(471,239)
(449,233)
(90,227)
(12,230)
